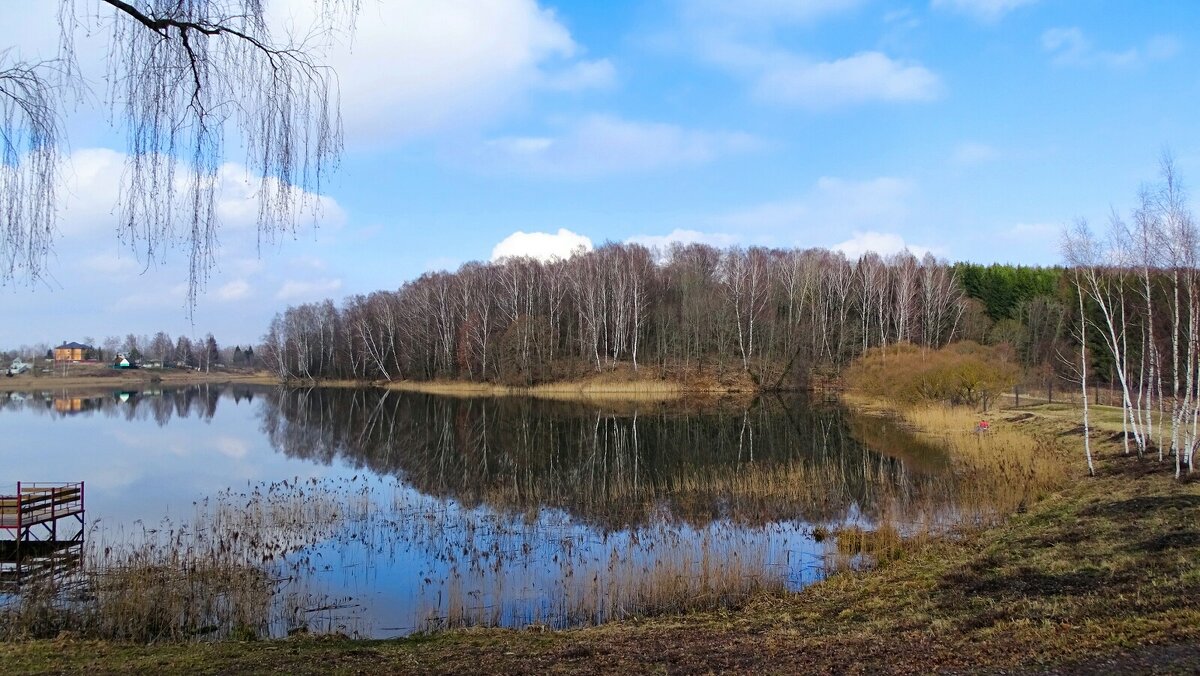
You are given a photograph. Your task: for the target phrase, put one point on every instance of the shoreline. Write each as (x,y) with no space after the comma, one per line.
(621,385)
(1002,596)
(91,381)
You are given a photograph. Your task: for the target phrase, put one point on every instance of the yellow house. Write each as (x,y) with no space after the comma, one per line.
(71,352)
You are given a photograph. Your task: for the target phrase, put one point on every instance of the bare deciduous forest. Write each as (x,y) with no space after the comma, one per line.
(777,315)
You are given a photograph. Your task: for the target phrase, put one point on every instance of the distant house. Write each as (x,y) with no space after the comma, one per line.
(72,352)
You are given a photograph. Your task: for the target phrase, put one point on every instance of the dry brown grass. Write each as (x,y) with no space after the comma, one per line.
(619,384)
(1009,466)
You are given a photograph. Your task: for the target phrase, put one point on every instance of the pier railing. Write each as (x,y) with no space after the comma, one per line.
(39,503)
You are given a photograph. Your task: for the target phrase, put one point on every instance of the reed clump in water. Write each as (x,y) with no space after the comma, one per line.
(657,570)
(219,576)
(881,544)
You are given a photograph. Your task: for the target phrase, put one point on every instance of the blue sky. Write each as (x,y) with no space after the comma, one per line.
(975,129)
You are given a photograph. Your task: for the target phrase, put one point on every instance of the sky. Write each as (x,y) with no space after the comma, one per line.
(972,129)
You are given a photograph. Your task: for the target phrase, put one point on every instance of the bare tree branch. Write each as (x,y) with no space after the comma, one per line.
(268,96)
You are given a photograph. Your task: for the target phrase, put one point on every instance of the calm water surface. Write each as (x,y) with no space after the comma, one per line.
(382,513)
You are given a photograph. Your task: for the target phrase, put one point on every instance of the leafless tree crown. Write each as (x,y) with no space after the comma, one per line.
(187,80)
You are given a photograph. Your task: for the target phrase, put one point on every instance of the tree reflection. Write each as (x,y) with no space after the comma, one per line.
(200,401)
(618,465)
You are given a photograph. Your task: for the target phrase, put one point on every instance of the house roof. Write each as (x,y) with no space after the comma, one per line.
(73,346)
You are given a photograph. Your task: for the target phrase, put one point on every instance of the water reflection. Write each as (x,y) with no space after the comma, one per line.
(160,405)
(616,465)
(404,511)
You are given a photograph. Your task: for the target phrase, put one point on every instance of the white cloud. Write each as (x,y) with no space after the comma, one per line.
(972,153)
(682,236)
(308,290)
(600,144)
(743,37)
(238,289)
(414,67)
(237,204)
(541,245)
(91,189)
(862,78)
(984,10)
(882,243)
(1070,47)
(584,75)
(231,447)
(409,67)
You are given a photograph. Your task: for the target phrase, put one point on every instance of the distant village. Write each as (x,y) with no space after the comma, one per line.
(131,352)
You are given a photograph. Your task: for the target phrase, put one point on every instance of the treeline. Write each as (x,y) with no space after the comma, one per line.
(775,314)
(183,351)
(187,352)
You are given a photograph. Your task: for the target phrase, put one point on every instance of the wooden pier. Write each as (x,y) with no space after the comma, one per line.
(41,505)
(41,531)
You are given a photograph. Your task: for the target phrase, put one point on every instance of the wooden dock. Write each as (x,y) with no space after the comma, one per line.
(41,533)
(34,510)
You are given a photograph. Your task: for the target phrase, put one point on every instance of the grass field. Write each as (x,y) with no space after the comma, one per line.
(1089,575)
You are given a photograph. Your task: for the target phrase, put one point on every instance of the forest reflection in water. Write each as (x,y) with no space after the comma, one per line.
(617,465)
(465,511)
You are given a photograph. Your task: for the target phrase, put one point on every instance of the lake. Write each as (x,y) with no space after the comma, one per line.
(380,513)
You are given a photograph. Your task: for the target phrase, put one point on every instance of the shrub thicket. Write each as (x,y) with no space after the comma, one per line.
(960,373)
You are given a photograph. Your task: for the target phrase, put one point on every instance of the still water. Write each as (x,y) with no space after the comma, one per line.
(379,513)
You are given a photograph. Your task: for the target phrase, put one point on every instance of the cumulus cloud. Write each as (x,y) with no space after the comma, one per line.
(862,78)
(543,246)
(882,243)
(984,10)
(1070,47)
(414,67)
(91,189)
(601,144)
(742,38)
(584,75)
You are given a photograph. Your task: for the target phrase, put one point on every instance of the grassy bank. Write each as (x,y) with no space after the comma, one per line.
(99,377)
(623,383)
(1089,575)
